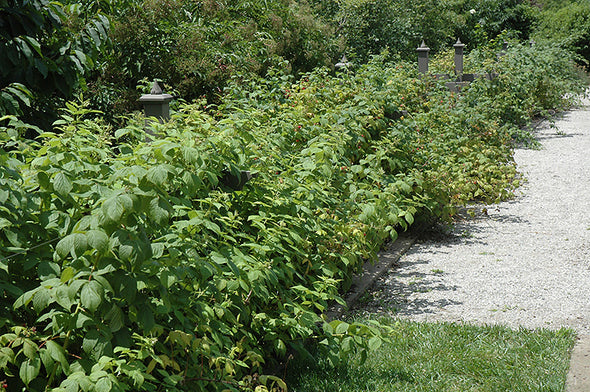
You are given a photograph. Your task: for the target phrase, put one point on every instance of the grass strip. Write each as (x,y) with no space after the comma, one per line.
(448,357)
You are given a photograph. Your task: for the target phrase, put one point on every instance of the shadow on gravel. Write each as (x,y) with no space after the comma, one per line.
(393,296)
(556,135)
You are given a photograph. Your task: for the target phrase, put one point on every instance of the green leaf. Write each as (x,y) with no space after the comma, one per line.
(98,240)
(119,133)
(47,270)
(24,299)
(41,67)
(6,356)
(113,209)
(127,252)
(158,249)
(115,318)
(96,344)
(409,218)
(67,274)
(62,184)
(145,319)
(342,328)
(82,57)
(157,175)
(63,297)
(24,48)
(79,245)
(29,370)
(33,43)
(9,99)
(30,348)
(42,299)
(374,343)
(91,295)
(20,95)
(157,212)
(95,36)
(43,179)
(64,246)
(103,385)
(57,352)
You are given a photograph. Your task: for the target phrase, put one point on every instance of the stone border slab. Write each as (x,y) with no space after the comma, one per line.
(578,377)
(372,271)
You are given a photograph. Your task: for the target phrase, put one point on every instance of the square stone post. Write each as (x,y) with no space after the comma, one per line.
(156,104)
(459,60)
(423,58)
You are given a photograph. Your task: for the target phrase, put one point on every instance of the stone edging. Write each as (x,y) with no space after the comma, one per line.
(372,271)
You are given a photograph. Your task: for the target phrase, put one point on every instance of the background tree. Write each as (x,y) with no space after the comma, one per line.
(46,50)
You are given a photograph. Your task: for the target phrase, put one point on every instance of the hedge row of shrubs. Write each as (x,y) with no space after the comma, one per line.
(126,263)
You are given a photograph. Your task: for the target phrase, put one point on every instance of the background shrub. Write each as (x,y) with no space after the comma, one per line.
(567,23)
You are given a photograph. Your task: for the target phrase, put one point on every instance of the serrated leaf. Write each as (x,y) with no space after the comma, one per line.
(157,175)
(91,295)
(113,209)
(90,341)
(64,246)
(24,299)
(80,244)
(46,360)
(157,250)
(127,252)
(62,297)
(115,318)
(62,184)
(67,274)
(57,352)
(75,244)
(33,43)
(41,299)
(145,319)
(6,356)
(30,348)
(98,240)
(157,212)
(342,328)
(29,370)
(374,343)
(103,385)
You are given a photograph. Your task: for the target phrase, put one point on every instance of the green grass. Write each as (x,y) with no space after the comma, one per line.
(448,357)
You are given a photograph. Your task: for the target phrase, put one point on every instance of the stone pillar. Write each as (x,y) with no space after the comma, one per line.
(423,58)
(156,104)
(343,64)
(459,60)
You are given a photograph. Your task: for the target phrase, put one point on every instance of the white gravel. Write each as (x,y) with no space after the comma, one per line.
(524,263)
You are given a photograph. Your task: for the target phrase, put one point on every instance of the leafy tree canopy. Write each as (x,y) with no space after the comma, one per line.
(46,49)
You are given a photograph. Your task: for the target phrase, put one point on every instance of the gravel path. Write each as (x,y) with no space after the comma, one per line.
(525,262)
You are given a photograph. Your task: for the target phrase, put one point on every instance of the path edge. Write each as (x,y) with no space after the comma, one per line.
(578,376)
(385,261)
